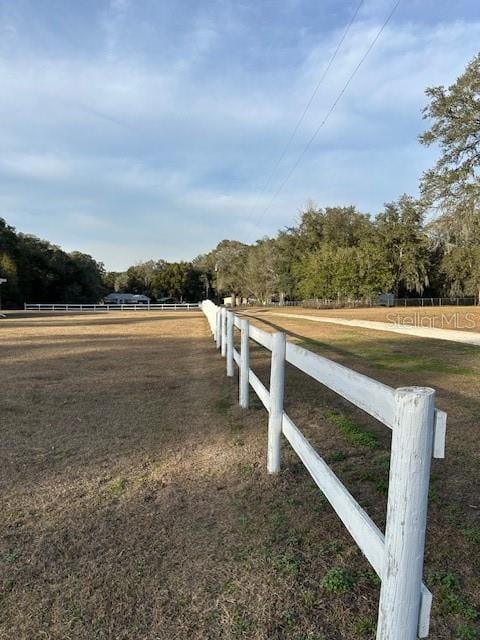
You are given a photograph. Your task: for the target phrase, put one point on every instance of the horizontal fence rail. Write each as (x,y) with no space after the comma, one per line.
(94,308)
(418,434)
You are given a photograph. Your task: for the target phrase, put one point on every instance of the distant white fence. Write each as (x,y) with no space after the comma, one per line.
(94,308)
(418,433)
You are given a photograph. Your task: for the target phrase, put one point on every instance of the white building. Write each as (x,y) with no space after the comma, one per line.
(126,298)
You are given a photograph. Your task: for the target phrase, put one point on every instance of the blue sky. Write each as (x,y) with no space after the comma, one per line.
(138,129)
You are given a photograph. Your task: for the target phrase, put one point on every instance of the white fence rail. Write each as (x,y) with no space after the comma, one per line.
(418,433)
(94,308)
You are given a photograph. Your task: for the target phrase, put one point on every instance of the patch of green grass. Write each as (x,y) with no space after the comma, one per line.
(287,563)
(368,475)
(236,430)
(330,547)
(352,431)
(381,485)
(10,556)
(308,599)
(472,534)
(247,469)
(8,585)
(337,456)
(447,579)
(255,403)
(277,519)
(466,632)
(337,580)
(222,406)
(456,517)
(290,537)
(241,623)
(365,503)
(74,615)
(383,461)
(364,626)
(288,619)
(115,488)
(294,538)
(240,553)
(450,602)
(454,514)
(313,345)
(375,475)
(229,588)
(370,576)
(419,364)
(319,502)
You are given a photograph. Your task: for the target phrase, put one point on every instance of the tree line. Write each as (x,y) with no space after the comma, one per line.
(429,245)
(38,271)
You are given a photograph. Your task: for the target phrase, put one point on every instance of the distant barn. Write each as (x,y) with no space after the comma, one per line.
(126,298)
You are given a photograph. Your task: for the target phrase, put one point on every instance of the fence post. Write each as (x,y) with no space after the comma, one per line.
(230,319)
(277,381)
(412,448)
(244,362)
(224,332)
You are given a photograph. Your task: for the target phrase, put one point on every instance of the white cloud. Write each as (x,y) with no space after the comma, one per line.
(45,166)
(129,153)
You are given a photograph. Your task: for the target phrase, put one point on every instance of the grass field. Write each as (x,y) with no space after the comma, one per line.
(136,502)
(462,318)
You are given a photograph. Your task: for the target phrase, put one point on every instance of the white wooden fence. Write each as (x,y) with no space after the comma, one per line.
(418,433)
(94,308)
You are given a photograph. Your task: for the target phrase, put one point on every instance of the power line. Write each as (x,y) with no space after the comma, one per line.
(332,108)
(312,97)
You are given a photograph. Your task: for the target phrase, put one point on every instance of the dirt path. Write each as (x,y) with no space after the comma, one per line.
(451,335)
(451,317)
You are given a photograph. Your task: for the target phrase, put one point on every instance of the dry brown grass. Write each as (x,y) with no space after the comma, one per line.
(462,318)
(136,502)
